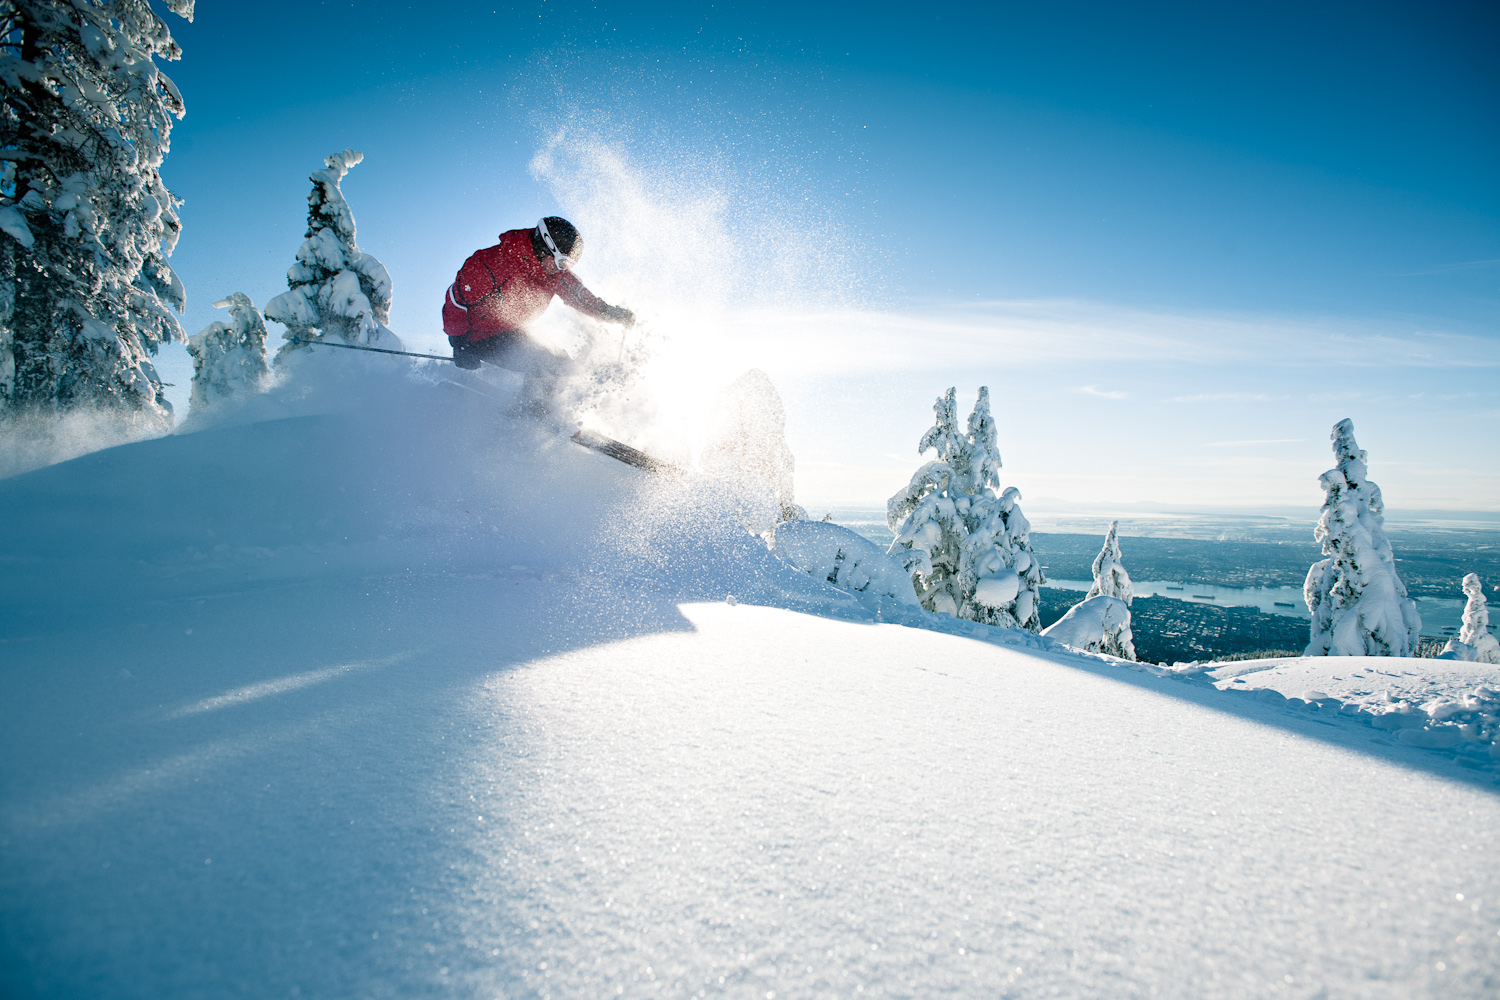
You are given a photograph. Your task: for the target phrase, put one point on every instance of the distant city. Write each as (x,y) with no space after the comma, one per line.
(1214,585)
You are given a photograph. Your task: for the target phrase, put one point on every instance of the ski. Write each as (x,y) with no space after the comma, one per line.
(621,452)
(617,450)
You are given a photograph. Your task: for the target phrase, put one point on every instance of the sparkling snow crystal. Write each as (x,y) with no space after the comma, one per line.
(335,288)
(968,550)
(1359,606)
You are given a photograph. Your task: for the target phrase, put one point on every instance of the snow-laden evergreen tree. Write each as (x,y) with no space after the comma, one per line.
(1098,624)
(87,224)
(1474,644)
(967,548)
(747,446)
(229,359)
(335,290)
(1476,627)
(998,549)
(997,557)
(925,516)
(1110,578)
(1358,603)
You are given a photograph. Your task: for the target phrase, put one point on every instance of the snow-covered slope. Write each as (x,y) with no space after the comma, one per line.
(1441,704)
(400,697)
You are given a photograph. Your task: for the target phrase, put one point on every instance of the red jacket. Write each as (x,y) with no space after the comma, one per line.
(502,288)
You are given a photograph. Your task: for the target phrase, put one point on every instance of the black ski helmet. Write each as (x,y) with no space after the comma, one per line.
(564,236)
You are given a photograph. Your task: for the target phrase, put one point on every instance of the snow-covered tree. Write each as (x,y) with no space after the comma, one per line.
(998,559)
(967,548)
(1476,627)
(925,516)
(1110,578)
(747,447)
(1474,642)
(335,289)
(85,121)
(998,547)
(1098,624)
(834,554)
(229,359)
(1358,603)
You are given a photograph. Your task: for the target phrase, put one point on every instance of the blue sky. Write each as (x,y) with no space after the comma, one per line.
(1177,243)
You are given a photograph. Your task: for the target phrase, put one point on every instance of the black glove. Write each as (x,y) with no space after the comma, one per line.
(621,315)
(462,356)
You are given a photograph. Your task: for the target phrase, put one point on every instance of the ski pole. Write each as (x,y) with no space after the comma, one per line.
(359,347)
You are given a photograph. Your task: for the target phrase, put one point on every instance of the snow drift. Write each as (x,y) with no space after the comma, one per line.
(849,561)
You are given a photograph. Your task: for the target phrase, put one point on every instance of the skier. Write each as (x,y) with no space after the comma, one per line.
(502,288)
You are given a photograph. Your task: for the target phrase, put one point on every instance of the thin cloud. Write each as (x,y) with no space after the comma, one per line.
(1445,268)
(1036,334)
(1246,444)
(1224,397)
(1094,390)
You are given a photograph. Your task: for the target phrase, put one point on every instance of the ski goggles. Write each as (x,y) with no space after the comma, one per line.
(558,257)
